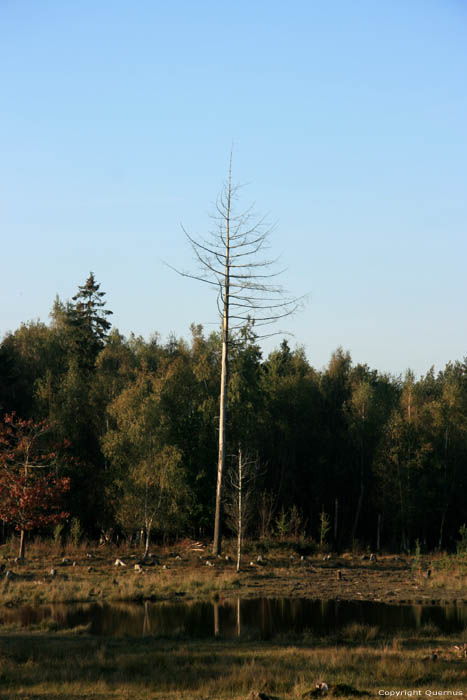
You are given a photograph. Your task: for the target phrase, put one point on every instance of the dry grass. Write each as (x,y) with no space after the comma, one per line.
(38,666)
(182,570)
(126,585)
(90,575)
(43,663)
(447,573)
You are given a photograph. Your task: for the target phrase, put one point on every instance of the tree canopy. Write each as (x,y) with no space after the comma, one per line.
(382,457)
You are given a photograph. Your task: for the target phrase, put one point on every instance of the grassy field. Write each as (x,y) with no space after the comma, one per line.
(358,661)
(42,662)
(53,573)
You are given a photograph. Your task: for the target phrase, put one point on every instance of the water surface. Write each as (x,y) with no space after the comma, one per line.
(258,618)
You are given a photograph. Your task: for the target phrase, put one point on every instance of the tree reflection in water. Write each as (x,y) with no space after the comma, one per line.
(260,618)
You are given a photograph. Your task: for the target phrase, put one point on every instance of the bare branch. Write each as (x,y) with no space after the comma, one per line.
(246,294)
(191,276)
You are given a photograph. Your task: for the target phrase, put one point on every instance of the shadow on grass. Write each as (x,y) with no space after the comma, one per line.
(40,666)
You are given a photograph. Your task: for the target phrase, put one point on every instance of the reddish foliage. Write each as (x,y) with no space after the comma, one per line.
(30,490)
(31,501)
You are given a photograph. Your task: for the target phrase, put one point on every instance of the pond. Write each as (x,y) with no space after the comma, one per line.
(257,618)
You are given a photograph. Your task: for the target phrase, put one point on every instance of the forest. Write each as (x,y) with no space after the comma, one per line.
(127,429)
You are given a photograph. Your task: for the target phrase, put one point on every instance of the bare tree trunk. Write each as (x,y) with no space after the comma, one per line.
(21,545)
(147,520)
(148,538)
(246,294)
(239,617)
(240,523)
(216,545)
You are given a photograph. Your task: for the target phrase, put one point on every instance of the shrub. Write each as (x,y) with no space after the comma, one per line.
(76,531)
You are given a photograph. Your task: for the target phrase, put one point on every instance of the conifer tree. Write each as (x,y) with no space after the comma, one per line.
(89,321)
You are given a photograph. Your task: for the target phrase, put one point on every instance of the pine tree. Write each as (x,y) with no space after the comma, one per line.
(89,321)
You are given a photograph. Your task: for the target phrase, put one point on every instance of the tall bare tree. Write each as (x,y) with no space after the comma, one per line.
(231,260)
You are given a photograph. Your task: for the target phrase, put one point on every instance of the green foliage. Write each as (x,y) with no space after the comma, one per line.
(296,524)
(88,322)
(76,531)
(150,488)
(58,532)
(290,523)
(388,449)
(282,524)
(416,562)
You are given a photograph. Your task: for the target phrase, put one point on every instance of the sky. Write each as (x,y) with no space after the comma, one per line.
(348,124)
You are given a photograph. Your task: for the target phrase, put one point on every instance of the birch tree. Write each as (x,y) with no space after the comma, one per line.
(239,502)
(233,262)
(149,483)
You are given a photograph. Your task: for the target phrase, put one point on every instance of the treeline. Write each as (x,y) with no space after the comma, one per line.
(383,458)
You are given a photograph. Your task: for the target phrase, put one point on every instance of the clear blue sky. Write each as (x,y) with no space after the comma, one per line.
(349,120)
